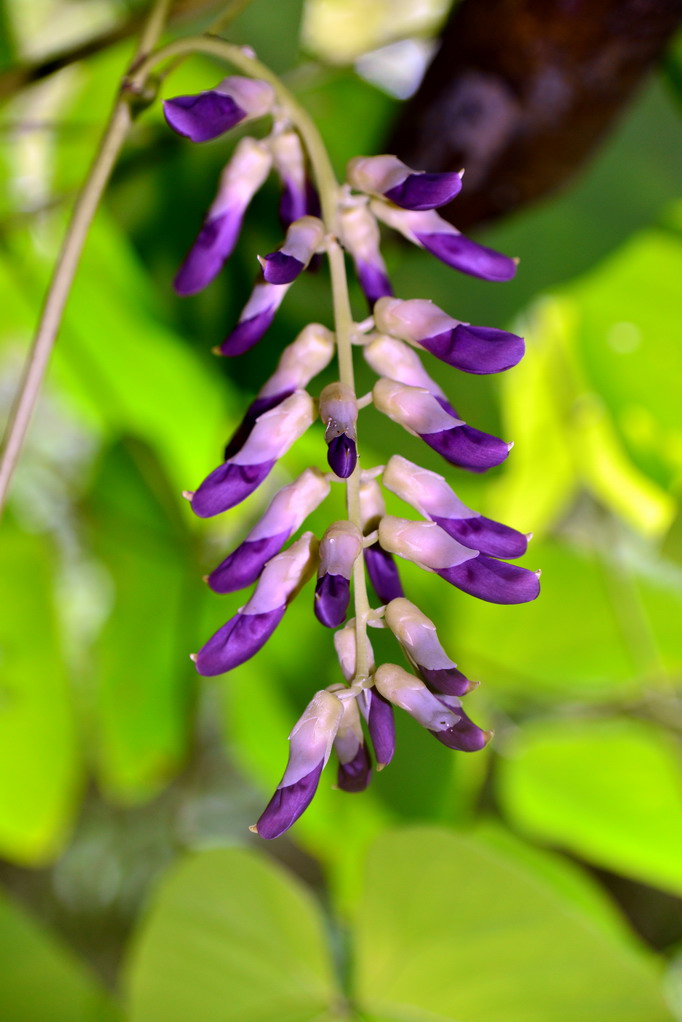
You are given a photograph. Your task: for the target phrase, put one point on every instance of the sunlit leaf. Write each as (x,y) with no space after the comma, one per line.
(231,935)
(452,928)
(596,787)
(39,755)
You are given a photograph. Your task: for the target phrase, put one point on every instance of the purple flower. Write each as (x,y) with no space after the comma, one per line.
(339,413)
(429,230)
(429,494)
(303,239)
(241,179)
(355,765)
(417,636)
(248,631)
(209,114)
(421,413)
(273,434)
(300,361)
(255,318)
(310,746)
(378,713)
(360,237)
(428,545)
(390,178)
(473,349)
(340,547)
(298,194)
(381,566)
(287,511)
(441,715)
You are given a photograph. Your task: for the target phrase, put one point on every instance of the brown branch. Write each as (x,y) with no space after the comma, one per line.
(521,92)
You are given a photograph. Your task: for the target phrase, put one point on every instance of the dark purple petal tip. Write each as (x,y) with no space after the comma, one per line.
(373,281)
(332,596)
(468,256)
(383,573)
(236,642)
(244,565)
(485,535)
(342,456)
(476,349)
(256,408)
(227,486)
(445,680)
(280,268)
(425,191)
(378,713)
(287,804)
(215,243)
(468,447)
(493,581)
(356,774)
(464,736)
(204,116)
(247,333)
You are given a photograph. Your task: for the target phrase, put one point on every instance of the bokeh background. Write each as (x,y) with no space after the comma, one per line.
(538,879)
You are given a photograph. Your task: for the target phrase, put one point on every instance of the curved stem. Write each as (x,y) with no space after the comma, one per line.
(84,210)
(328,188)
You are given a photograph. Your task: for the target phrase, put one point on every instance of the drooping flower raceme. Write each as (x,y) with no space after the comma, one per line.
(353,719)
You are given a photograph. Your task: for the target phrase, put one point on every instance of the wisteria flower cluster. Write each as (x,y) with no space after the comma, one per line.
(464,548)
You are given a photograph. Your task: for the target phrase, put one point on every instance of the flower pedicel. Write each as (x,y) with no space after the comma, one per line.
(466,549)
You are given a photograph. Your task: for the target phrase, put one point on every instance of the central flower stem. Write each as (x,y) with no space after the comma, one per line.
(329,191)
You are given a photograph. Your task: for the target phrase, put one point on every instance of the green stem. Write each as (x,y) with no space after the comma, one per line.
(329,190)
(60,286)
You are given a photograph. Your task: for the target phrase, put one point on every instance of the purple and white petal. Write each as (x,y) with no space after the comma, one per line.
(378,713)
(418,638)
(243,566)
(360,237)
(255,318)
(492,580)
(468,448)
(208,114)
(356,773)
(310,745)
(299,197)
(258,407)
(237,641)
(332,596)
(463,735)
(303,239)
(485,535)
(345,646)
(389,357)
(383,573)
(339,413)
(424,543)
(430,231)
(273,434)
(389,177)
(239,182)
(355,767)
(339,549)
(342,455)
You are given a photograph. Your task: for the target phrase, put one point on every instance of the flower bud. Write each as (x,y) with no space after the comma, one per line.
(255,318)
(429,230)
(208,114)
(287,511)
(248,631)
(416,633)
(424,415)
(355,767)
(428,545)
(339,549)
(339,413)
(381,566)
(346,650)
(378,713)
(360,237)
(302,241)
(429,494)
(309,750)
(391,358)
(473,349)
(274,432)
(300,361)
(240,180)
(389,177)
(442,716)
(298,195)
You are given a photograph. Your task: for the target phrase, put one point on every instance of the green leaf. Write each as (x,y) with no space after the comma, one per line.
(39,760)
(41,979)
(230,935)
(140,665)
(454,930)
(607,790)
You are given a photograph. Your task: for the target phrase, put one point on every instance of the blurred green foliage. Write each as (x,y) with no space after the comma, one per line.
(457,887)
